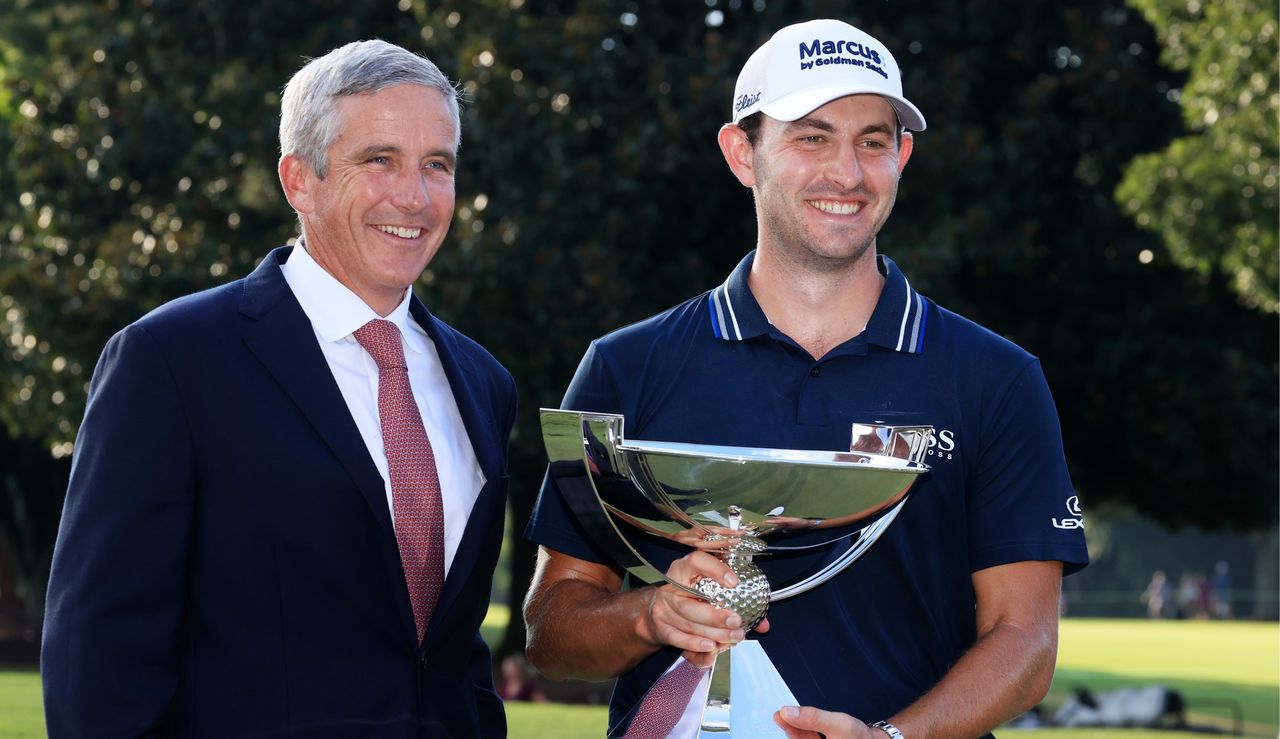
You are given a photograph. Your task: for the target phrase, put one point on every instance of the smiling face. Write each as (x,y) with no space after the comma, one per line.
(825,184)
(379,216)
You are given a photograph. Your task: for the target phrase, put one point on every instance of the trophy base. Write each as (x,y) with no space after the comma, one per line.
(746,690)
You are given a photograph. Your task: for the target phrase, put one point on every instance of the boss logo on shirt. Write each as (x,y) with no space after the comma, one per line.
(1073,508)
(942,445)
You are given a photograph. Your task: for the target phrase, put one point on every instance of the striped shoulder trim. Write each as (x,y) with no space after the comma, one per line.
(911,329)
(723,320)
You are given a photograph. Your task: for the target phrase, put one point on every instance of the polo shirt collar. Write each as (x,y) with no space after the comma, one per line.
(899,318)
(735,314)
(897,323)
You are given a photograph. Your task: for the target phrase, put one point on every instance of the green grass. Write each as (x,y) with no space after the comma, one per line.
(495,621)
(20,713)
(537,720)
(1205,660)
(1238,652)
(1208,661)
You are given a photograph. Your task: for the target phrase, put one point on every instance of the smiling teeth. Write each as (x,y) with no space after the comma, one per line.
(404,233)
(840,209)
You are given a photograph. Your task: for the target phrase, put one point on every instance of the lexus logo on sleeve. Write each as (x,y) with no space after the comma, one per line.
(1073,508)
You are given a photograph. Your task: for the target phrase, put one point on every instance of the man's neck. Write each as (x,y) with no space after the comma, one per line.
(818,309)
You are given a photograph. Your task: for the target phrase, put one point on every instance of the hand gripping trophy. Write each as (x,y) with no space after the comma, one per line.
(727,500)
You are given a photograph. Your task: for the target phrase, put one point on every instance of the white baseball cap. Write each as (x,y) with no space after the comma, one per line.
(807,65)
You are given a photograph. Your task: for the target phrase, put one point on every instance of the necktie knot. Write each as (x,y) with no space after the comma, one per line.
(382,340)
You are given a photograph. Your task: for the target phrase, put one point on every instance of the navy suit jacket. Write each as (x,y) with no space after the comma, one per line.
(226,565)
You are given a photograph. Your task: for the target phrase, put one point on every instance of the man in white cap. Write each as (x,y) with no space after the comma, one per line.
(948,625)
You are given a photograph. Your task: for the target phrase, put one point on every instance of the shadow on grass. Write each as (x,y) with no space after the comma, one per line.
(1207,701)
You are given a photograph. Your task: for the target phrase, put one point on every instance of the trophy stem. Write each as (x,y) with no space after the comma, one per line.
(746,690)
(715,715)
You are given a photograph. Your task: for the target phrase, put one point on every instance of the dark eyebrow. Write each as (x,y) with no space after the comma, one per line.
(883,128)
(822,125)
(811,122)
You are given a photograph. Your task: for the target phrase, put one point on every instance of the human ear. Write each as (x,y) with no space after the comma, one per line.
(295,179)
(738,153)
(905,147)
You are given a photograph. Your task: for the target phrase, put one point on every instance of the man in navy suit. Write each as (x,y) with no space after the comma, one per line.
(230,556)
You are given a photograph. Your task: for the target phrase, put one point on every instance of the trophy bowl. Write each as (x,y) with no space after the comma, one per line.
(725,499)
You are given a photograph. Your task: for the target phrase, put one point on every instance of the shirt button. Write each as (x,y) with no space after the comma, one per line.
(815,371)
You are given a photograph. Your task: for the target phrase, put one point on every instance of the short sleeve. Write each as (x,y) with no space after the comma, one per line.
(1021,504)
(553,524)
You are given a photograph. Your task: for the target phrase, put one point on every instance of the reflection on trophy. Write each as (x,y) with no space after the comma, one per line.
(630,495)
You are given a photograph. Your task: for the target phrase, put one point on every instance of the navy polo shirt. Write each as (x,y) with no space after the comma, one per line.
(713,370)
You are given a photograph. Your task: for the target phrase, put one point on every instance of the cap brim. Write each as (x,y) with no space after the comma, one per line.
(797,105)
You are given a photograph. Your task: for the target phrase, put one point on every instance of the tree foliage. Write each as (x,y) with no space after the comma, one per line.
(1212,194)
(29,517)
(138,146)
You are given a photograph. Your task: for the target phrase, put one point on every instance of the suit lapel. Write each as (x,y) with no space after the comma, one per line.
(281,337)
(477,417)
(486,516)
(458,368)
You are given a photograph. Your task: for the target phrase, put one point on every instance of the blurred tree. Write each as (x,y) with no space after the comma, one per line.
(137,163)
(138,146)
(141,167)
(29,519)
(1212,195)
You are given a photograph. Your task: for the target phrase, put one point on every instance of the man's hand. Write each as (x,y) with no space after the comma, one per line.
(582,625)
(681,619)
(810,723)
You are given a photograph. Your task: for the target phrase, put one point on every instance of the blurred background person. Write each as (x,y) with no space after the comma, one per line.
(1156,596)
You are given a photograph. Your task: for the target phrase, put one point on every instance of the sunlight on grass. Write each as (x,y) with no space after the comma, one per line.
(1213,664)
(21,716)
(495,622)
(497,616)
(537,720)
(1234,652)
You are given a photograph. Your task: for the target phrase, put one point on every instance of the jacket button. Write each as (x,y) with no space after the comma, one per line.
(422,662)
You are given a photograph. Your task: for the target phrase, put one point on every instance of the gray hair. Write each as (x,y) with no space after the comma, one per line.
(308,123)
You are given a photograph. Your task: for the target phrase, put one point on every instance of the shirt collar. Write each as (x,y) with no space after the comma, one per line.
(897,323)
(335,311)
(899,318)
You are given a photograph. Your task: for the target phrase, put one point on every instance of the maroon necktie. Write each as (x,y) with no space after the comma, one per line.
(415,484)
(665,702)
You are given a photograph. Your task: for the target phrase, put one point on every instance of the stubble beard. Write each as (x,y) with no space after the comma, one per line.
(795,244)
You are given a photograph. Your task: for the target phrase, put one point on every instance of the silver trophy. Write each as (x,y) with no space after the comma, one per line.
(726,500)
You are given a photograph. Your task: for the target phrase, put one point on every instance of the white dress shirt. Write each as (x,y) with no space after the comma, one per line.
(335,314)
